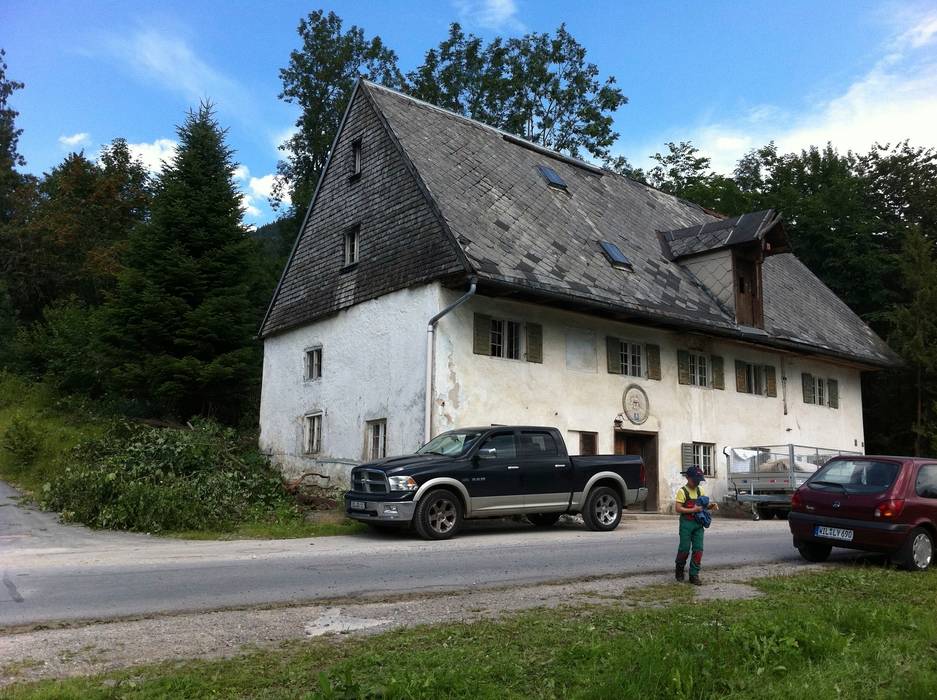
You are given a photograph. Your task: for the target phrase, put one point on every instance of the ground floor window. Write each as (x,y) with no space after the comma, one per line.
(312,441)
(588,443)
(703,457)
(377,439)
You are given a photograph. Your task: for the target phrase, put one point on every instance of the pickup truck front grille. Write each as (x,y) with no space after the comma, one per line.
(369,481)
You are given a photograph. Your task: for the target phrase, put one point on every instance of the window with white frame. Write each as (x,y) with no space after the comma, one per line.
(631,359)
(351,245)
(703,457)
(313,368)
(313,433)
(377,439)
(820,390)
(505,339)
(699,369)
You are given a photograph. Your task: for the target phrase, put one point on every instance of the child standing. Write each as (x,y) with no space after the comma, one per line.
(691,531)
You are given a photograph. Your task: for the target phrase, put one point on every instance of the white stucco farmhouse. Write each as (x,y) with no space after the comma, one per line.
(448,275)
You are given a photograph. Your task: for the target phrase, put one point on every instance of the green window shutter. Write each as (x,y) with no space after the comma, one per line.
(741,377)
(832,392)
(613,349)
(771,381)
(719,375)
(482,344)
(652,353)
(683,366)
(809,388)
(686,455)
(534,342)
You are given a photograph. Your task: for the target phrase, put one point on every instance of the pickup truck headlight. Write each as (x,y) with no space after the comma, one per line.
(402,483)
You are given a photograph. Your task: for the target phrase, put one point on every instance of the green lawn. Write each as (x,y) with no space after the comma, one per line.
(848,633)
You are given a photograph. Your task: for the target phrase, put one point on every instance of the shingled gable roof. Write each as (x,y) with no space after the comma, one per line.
(519,234)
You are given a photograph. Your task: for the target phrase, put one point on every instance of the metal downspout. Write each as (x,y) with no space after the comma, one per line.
(430,357)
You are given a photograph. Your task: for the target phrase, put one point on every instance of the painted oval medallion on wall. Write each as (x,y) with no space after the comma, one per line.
(636,404)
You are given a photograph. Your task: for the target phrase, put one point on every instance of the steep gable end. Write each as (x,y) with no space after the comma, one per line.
(380,216)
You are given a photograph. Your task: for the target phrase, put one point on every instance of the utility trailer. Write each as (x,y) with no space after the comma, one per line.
(765,477)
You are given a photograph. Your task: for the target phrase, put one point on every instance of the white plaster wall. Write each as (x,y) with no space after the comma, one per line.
(478,390)
(373,367)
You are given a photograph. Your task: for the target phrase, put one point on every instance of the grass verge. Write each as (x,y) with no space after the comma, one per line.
(847,633)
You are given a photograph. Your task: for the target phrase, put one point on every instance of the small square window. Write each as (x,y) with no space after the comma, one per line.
(588,443)
(630,359)
(314,363)
(377,439)
(616,257)
(313,434)
(351,245)
(552,177)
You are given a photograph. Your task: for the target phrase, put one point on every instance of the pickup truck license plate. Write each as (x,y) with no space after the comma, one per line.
(833,533)
(359,505)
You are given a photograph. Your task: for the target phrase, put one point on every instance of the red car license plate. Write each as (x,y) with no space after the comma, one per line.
(833,533)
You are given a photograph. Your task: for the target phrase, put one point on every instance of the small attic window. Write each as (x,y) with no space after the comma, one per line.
(552,177)
(616,257)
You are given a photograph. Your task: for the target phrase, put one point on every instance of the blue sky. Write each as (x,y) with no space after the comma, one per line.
(728,75)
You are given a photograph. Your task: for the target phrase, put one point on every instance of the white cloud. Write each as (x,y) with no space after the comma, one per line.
(153,154)
(894,100)
(241,172)
(256,193)
(495,15)
(80,139)
(170,61)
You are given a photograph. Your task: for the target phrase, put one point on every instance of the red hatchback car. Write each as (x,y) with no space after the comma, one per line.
(877,504)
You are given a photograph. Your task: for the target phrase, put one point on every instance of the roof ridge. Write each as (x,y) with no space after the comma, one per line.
(506,135)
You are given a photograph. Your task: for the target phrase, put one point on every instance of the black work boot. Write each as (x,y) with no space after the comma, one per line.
(694,579)
(679,571)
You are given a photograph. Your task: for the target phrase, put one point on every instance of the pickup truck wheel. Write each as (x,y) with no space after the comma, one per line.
(543,519)
(438,515)
(814,551)
(917,553)
(603,509)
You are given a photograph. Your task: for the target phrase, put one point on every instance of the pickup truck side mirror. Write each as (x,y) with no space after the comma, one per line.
(488,453)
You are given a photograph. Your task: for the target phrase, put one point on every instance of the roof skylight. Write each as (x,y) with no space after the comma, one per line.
(552,177)
(616,257)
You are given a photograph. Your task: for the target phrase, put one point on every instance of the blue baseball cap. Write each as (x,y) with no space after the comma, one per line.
(694,473)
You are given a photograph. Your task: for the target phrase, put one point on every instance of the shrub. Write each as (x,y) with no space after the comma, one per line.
(165,479)
(21,440)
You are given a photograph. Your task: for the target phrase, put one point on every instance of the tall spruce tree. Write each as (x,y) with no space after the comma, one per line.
(180,326)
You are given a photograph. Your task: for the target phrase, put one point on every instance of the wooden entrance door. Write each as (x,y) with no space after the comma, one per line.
(645,446)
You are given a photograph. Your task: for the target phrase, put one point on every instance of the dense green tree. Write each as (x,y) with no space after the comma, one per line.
(10,158)
(68,229)
(180,326)
(538,86)
(319,80)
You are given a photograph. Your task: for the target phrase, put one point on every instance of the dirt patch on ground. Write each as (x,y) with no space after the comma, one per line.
(95,648)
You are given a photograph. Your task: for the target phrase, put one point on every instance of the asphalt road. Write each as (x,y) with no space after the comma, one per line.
(52,572)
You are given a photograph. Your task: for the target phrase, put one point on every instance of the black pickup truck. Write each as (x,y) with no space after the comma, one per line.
(493,472)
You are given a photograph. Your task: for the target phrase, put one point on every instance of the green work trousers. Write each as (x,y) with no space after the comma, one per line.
(691,536)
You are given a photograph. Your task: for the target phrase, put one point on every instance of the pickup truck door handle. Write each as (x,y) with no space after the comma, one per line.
(560,466)
(514,466)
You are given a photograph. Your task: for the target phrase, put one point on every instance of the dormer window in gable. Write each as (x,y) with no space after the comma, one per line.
(616,257)
(552,177)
